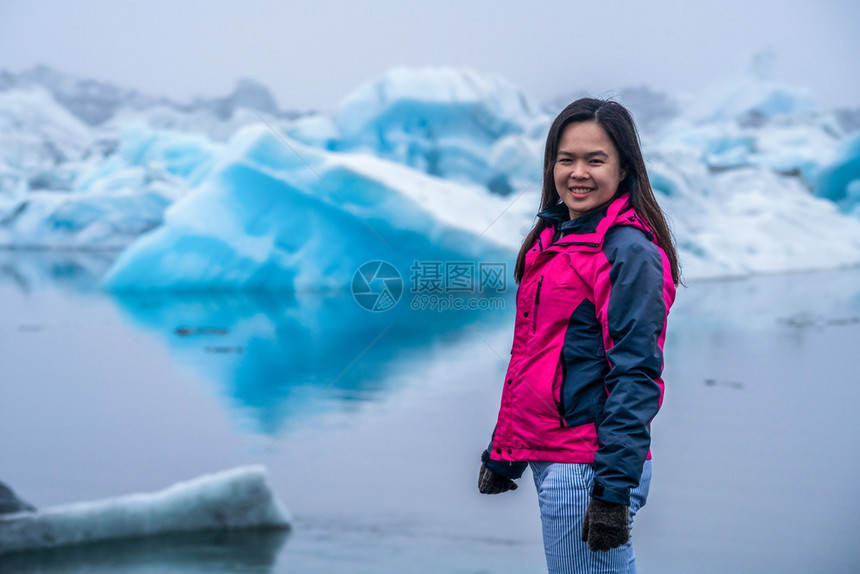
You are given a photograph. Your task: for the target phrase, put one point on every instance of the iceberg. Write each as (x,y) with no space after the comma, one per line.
(281,215)
(840,181)
(37,138)
(752,96)
(11,503)
(105,203)
(74,154)
(742,175)
(441,121)
(241,498)
(750,220)
(108,221)
(98,103)
(428,163)
(751,120)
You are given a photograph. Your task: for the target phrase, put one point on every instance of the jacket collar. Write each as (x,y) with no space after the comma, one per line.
(557,213)
(559,217)
(587,231)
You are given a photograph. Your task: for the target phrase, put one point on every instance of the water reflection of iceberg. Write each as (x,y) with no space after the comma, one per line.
(277,357)
(200,552)
(33,270)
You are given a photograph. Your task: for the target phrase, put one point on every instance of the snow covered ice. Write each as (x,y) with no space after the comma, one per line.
(432,163)
(235,499)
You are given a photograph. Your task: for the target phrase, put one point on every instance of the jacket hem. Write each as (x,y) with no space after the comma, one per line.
(539,455)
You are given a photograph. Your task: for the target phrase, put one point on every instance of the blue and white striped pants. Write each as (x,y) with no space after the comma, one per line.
(564,491)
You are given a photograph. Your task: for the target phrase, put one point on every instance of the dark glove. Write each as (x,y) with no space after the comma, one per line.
(490,482)
(606,525)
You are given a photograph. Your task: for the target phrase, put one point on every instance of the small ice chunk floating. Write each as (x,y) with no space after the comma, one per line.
(240,498)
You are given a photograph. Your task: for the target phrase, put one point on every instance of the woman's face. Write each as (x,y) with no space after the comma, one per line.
(587,168)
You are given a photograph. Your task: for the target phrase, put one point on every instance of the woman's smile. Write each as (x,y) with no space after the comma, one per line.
(580,190)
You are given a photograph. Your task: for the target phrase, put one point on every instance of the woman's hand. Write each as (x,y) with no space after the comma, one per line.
(490,482)
(605,526)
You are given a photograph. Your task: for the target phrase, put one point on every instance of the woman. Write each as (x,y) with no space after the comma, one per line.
(597,275)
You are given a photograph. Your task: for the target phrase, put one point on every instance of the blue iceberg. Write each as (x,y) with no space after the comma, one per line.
(840,181)
(280,215)
(451,123)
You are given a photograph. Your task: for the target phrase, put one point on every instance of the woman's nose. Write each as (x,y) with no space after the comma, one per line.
(578,171)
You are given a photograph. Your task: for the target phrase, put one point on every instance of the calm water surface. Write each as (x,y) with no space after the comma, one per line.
(371,425)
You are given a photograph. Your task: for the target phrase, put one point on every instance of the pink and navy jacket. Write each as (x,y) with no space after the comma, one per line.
(584,380)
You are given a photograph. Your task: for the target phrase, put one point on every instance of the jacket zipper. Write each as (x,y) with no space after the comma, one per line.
(586,243)
(560,403)
(537,301)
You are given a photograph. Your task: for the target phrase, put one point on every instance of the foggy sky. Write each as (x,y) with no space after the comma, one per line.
(312,54)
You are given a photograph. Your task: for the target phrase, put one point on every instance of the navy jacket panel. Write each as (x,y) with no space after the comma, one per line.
(636,320)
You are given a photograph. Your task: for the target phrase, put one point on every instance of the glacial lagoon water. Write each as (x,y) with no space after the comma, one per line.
(371,424)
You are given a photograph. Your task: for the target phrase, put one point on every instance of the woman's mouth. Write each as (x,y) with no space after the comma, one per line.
(580,190)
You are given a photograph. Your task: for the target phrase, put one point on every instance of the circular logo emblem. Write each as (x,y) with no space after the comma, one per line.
(377,286)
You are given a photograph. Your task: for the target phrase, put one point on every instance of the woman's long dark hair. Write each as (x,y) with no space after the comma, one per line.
(618,123)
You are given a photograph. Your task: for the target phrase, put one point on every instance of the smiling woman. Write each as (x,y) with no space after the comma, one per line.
(597,277)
